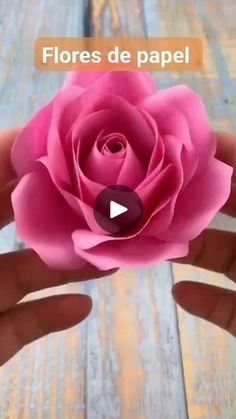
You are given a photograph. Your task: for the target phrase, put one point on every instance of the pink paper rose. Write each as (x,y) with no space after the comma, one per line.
(105,129)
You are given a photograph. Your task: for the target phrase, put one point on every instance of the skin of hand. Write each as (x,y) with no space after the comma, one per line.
(214,250)
(23,272)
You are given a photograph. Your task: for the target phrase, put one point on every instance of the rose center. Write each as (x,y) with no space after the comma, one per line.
(114,147)
(112,144)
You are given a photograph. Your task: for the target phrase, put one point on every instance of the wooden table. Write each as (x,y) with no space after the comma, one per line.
(136,356)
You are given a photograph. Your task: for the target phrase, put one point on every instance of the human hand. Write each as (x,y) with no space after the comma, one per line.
(23,272)
(214,250)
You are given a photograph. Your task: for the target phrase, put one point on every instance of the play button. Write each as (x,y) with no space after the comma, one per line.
(118,209)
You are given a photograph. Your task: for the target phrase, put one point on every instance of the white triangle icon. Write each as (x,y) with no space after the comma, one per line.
(116,209)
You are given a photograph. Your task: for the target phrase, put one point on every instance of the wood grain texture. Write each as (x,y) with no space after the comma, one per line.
(133,357)
(207,352)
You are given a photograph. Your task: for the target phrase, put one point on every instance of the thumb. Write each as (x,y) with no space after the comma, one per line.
(214,304)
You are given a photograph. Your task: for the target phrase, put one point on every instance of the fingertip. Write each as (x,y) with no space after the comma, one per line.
(111,271)
(74,308)
(179,290)
(186,295)
(7,138)
(226,148)
(89,271)
(88,302)
(196,298)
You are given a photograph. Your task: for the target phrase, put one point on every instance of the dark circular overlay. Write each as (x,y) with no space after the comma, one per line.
(118,195)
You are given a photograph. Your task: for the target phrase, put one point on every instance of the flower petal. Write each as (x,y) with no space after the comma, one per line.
(188,103)
(138,251)
(81,78)
(31,143)
(81,208)
(167,194)
(199,202)
(134,86)
(44,220)
(101,166)
(132,123)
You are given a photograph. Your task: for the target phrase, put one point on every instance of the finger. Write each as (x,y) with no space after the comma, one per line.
(6,210)
(226,152)
(230,207)
(23,272)
(214,250)
(217,305)
(30,321)
(7,138)
(226,148)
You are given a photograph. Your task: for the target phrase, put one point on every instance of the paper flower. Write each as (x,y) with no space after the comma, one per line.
(104,129)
